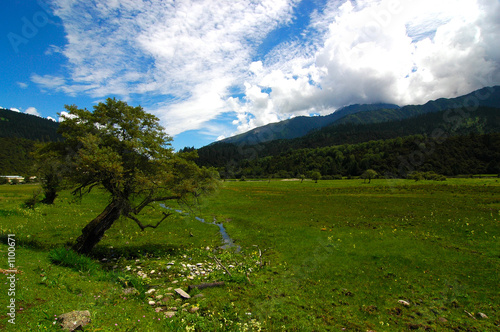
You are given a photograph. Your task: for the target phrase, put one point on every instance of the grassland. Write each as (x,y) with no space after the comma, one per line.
(331,256)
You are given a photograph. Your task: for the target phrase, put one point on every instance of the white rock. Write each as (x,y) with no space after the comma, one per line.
(151,302)
(182,293)
(151,291)
(405,303)
(481,315)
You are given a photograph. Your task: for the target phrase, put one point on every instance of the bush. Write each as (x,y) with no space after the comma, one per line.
(71,259)
(81,263)
(427,176)
(31,202)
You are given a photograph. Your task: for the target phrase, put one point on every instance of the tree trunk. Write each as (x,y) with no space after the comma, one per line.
(50,197)
(94,231)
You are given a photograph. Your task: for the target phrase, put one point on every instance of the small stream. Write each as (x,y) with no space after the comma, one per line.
(226,239)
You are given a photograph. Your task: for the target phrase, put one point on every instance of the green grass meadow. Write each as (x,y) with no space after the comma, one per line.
(327,256)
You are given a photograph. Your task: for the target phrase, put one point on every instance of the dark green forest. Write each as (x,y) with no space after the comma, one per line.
(446,141)
(19,133)
(31,127)
(471,154)
(460,144)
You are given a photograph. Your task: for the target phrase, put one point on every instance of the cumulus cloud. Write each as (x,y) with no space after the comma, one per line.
(15,110)
(32,111)
(184,60)
(187,53)
(401,52)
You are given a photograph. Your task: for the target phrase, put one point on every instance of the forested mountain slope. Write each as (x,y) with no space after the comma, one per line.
(19,133)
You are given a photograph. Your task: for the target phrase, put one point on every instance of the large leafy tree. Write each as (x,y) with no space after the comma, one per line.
(124,150)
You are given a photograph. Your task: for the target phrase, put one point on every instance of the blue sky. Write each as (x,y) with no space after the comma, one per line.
(211,69)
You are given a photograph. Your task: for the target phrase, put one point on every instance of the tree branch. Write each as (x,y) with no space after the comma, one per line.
(149,200)
(143,227)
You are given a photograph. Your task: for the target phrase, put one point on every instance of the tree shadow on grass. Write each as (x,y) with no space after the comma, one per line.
(25,243)
(134,252)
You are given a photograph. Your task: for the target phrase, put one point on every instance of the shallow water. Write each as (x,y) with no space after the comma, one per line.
(226,239)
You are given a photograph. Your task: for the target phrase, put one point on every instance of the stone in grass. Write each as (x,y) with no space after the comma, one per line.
(480,315)
(74,320)
(151,291)
(182,293)
(170,314)
(405,303)
(192,310)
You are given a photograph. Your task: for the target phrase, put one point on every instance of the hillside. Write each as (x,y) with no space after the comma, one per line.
(471,154)
(19,133)
(488,97)
(21,125)
(299,126)
(373,124)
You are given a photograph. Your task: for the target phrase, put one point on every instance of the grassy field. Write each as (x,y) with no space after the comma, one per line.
(326,256)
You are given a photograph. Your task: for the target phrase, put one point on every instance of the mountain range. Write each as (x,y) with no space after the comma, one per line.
(477,113)
(302,125)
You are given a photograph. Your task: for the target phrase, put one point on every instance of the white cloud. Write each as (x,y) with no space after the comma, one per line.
(15,109)
(22,85)
(32,111)
(182,59)
(51,119)
(189,52)
(401,52)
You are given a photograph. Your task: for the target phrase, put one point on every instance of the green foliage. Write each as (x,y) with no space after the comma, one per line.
(69,258)
(472,154)
(369,174)
(15,156)
(417,176)
(124,150)
(315,176)
(26,126)
(443,125)
(33,200)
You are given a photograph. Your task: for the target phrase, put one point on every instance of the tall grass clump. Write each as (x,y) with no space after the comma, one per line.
(79,263)
(84,264)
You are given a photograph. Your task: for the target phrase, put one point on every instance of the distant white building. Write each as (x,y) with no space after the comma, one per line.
(11,178)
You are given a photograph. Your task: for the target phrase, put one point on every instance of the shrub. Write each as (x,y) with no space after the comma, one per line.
(71,259)
(81,263)
(31,202)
